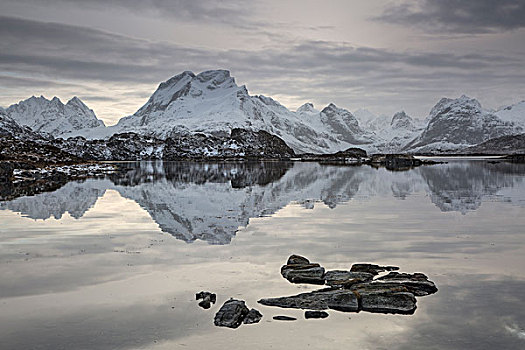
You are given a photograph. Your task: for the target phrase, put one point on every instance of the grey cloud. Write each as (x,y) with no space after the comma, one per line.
(200,10)
(320,71)
(458,16)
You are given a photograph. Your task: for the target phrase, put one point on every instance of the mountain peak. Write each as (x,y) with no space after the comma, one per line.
(52,116)
(402,120)
(308,107)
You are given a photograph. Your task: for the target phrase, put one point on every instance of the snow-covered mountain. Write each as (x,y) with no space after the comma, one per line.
(9,127)
(52,117)
(454,124)
(212,103)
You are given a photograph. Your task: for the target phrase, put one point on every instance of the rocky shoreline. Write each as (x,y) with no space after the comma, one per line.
(359,289)
(354,290)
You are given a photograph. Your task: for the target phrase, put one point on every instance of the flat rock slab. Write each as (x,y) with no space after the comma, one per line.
(231,314)
(392,303)
(315,314)
(336,299)
(372,268)
(345,279)
(284,318)
(416,283)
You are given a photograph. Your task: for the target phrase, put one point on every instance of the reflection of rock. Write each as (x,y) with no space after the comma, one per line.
(234,312)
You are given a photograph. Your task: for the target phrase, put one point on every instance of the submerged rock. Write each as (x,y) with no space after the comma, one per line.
(336,299)
(372,268)
(231,314)
(416,283)
(345,279)
(253,316)
(298,269)
(284,318)
(207,299)
(315,314)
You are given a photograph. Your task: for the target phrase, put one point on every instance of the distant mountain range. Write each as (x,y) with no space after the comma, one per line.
(211,103)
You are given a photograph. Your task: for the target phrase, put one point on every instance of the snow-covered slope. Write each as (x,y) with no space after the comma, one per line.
(514,113)
(391,134)
(212,103)
(454,124)
(52,117)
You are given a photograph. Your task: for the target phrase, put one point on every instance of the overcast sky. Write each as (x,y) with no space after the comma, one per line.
(381,55)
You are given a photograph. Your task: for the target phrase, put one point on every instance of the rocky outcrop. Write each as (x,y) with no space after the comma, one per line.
(342,278)
(372,268)
(207,299)
(299,270)
(416,283)
(6,171)
(253,316)
(357,290)
(231,314)
(235,312)
(240,144)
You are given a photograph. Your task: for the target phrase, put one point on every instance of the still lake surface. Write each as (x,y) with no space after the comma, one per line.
(115,263)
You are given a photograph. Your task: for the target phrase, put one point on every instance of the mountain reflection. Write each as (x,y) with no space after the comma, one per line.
(210,201)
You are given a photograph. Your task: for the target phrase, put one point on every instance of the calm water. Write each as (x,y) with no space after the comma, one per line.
(115,263)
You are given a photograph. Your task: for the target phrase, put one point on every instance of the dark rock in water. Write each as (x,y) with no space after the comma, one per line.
(231,314)
(253,316)
(372,268)
(336,299)
(207,299)
(385,297)
(416,283)
(315,314)
(345,279)
(299,270)
(394,303)
(284,318)
(297,260)
(354,290)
